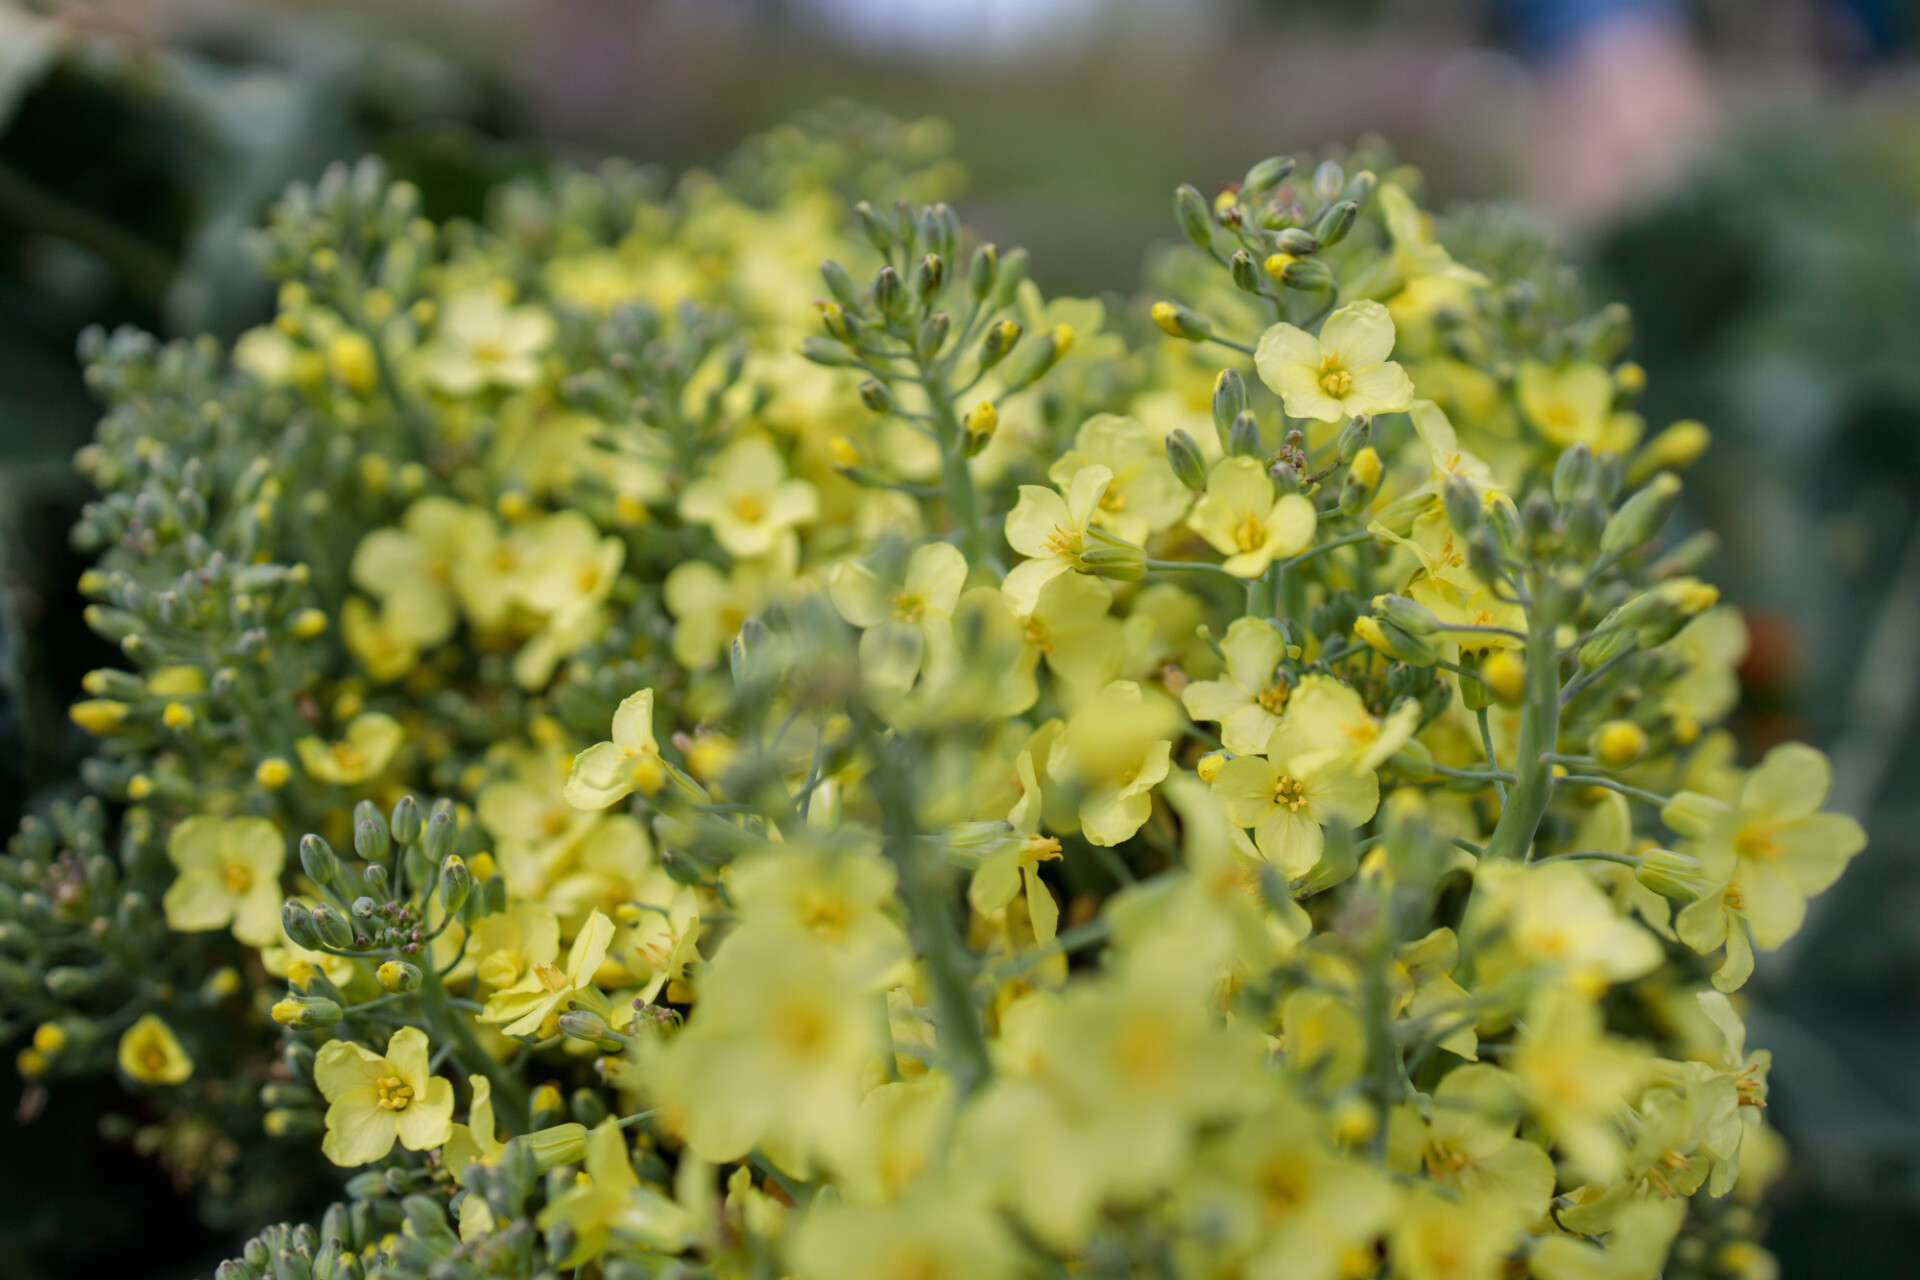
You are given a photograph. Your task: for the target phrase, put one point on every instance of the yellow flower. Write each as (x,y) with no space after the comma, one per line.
(708,606)
(1576,1079)
(1465,1141)
(1326,715)
(229,874)
(1574,404)
(150,1053)
(827,893)
(1111,755)
(608,772)
(1015,864)
(381,652)
(1247,703)
(1554,917)
(1288,803)
(373,1098)
(610,1200)
(1342,373)
(1240,517)
(1051,531)
(527,1007)
(1770,851)
(1441,1237)
(931,1235)
(410,569)
(1415,252)
(1070,628)
(746,498)
(904,623)
(483,342)
(366,750)
(1144,496)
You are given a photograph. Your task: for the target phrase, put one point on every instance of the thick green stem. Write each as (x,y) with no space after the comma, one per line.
(1539,734)
(447,1025)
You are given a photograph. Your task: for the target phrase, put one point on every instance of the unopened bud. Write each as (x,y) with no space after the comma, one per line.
(1355,436)
(297,921)
(1229,402)
(1181,322)
(1309,274)
(1674,449)
(887,293)
(317,860)
(1000,339)
(1572,471)
(1296,242)
(333,927)
(456,883)
(371,839)
(306,1013)
(1109,556)
(932,335)
(1410,616)
(1243,437)
(874,224)
(839,282)
(398,975)
(1185,458)
(929,278)
(1396,643)
(877,396)
(1641,517)
(1336,222)
(1190,211)
(1672,874)
(981,422)
(1245,272)
(406,820)
(1618,743)
(981,269)
(1363,481)
(1506,674)
(839,325)
(1463,505)
(1266,175)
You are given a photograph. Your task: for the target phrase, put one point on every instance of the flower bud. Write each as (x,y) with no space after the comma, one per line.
(1266,175)
(1229,402)
(1395,643)
(1185,458)
(1013,274)
(874,225)
(398,975)
(1463,506)
(580,1024)
(317,860)
(887,293)
(1585,519)
(826,352)
(1641,517)
(1355,436)
(1110,556)
(839,282)
(968,842)
(981,269)
(370,837)
(1190,211)
(1243,437)
(1413,761)
(1334,224)
(1410,616)
(981,422)
(456,882)
(437,840)
(1618,743)
(840,326)
(1536,520)
(1475,692)
(1309,274)
(297,921)
(1296,242)
(999,340)
(333,928)
(1363,481)
(556,1145)
(1572,471)
(1674,449)
(1210,764)
(306,1013)
(1245,271)
(548,1107)
(406,820)
(1181,322)
(932,335)
(1506,674)
(929,278)
(1672,874)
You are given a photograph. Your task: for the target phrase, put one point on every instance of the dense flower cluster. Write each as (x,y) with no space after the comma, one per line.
(937,781)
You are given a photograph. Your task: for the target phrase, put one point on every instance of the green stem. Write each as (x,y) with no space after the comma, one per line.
(1260,596)
(1653,798)
(956,477)
(1486,744)
(1590,855)
(1539,733)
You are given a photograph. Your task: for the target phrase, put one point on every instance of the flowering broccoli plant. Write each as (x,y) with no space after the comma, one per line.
(933,781)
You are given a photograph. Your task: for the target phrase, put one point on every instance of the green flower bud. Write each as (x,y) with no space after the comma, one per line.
(1355,436)
(398,975)
(874,226)
(1185,458)
(930,278)
(1584,519)
(1266,175)
(306,1012)
(1463,506)
(1308,274)
(1109,556)
(1672,874)
(1245,271)
(1536,520)
(1475,692)
(1572,471)
(1243,437)
(406,820)
(827,352)
(1362,482)
(887,292)
(1414,761)
(437,841)
(981,269)
(1191,212)
(1410,616)
(1013,273)
(317,860)
(333,927)
(580,1024)
(1296,242)
(1334,224)
(1181,322)
(456,882)
(371,840)
(1000,339)
(1391,640)
(588,1107)
(877,396)
(1641,517)
(1229,402)
(298,923)
(839,283)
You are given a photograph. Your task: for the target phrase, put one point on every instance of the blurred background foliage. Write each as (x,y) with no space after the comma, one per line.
(1757,205)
